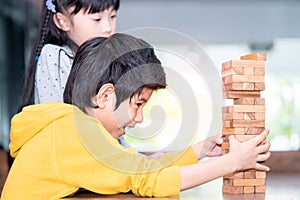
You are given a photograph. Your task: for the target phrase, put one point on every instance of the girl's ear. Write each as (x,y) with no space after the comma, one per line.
(105,95)
(61,21)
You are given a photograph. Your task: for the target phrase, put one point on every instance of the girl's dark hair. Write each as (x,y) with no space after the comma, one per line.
(126,62)
(48,33)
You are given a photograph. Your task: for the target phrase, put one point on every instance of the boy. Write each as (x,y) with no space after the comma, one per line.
(60,148)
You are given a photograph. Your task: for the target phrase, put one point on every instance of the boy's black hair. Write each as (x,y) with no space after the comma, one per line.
(126,62)
(48,33)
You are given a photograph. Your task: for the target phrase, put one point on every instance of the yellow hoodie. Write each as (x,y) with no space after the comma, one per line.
(59,149)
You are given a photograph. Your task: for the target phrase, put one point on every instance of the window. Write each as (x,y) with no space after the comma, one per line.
(281,94)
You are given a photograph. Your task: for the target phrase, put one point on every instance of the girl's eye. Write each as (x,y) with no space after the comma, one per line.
(113,16)
(97,19)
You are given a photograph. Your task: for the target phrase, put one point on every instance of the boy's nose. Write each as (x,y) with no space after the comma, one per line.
(139,117)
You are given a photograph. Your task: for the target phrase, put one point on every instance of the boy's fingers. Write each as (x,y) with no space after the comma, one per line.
(219,139)
(231,137)
(260,138)
(263,157)
(262,167)
(264,147)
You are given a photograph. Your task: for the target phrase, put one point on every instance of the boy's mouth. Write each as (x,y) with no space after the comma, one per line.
(123,130)
(126,127)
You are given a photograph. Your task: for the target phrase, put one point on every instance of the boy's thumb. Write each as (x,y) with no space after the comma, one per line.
(231,138)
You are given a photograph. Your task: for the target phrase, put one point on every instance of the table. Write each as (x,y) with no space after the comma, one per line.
(279,187)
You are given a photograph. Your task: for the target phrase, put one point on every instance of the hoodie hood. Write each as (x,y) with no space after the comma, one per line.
(32,119)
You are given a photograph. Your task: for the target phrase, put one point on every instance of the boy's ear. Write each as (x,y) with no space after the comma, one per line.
(62,21)
(105,94)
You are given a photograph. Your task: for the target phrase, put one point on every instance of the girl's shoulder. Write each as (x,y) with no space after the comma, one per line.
(52,49)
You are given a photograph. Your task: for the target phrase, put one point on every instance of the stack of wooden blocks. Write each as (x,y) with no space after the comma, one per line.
(243,81)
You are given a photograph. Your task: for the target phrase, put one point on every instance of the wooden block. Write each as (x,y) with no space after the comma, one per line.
(240,94)
(244,124)
(240,86)
(242,116)
(260,189)
(226,65)
(249,116)
(225,145)
(225,109)
(243,64)
(244,101)
(227,124)
(233,131)
(248,182)
(243,78)
(234,175)
(249,189)
(232,190)
(249,101)
(227,182)
(250,174)
(253,130)
(254,79)
(259,71)
(231,71)
(260,115)
(259,101)
(248,123)
(225,138)
(232,115)
(259,86)
(249,71)
(260,174)
(247,108)
(255,56)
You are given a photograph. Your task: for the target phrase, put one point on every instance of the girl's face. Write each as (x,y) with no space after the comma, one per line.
(85,26)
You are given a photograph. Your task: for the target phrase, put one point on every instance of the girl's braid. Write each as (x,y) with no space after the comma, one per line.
(44,32)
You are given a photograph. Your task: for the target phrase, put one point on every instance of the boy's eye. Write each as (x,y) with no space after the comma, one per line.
(97,19)
(138,104)
(113,16)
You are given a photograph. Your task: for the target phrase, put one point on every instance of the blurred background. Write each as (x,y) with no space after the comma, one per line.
(226,29)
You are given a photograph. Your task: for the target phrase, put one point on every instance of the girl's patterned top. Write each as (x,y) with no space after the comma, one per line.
(53,68)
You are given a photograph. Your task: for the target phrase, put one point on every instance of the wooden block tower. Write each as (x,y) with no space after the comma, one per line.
(243,80)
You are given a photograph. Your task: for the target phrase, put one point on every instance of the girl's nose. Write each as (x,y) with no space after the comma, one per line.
(106,28)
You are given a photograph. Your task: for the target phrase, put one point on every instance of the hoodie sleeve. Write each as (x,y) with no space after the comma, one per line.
(180,158)
(86,156)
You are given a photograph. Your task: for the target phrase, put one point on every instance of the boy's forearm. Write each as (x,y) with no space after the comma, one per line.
(197,148)
(200,173)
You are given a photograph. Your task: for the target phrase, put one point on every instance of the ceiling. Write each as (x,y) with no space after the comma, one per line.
(256,22)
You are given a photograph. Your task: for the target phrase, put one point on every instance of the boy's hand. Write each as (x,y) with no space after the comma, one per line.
(208,147)
(248,154)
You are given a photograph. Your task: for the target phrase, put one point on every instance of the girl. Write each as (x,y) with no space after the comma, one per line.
(65,25)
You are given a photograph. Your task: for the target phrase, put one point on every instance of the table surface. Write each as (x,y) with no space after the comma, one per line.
(278,186)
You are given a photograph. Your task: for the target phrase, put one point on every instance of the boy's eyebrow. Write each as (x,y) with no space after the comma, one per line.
(142,99)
